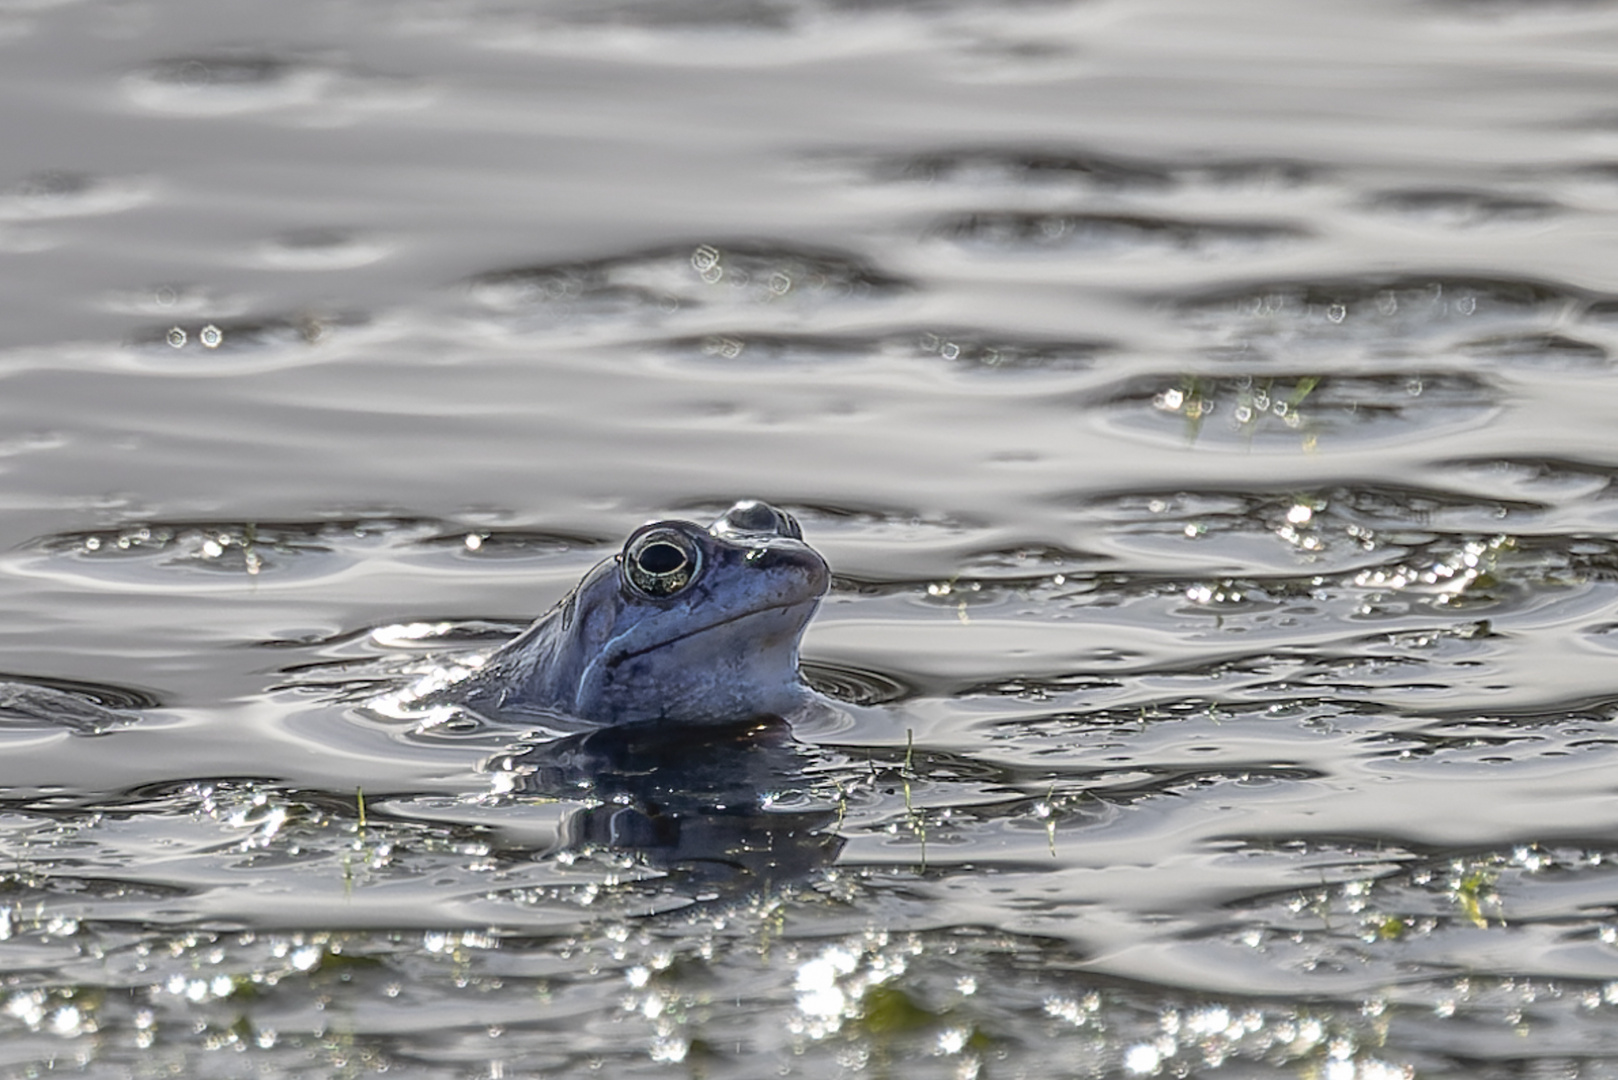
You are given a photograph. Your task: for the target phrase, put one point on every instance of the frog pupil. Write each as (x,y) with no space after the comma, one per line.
(660,559)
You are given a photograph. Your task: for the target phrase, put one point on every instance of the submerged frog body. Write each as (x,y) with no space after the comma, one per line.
(686,625)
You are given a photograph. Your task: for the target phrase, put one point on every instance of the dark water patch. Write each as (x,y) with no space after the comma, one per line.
(62,194)
(148,550)
(1006,230)
(320,249)
(1294,412)
(969,350)
(1024,166)
(681,15)
(80,707)
(1485,741)
(1603,313)
(749,34)
(225,83)
(35,888)
(486,543)
(1068,168)
(771,348)
(653,286)
(1028,563)
(1604,635)
(1265,174)
(1551,351)
(233,82)
(1545,481)
(194,341)
(977,350)
(223,70)
(1458,208)
(1403,311)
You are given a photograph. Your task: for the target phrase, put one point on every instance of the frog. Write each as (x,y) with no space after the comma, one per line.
(685,625)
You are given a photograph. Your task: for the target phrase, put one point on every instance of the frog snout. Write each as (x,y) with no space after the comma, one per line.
(789,558)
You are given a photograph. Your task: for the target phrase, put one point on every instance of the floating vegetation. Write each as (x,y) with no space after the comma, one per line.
(1307,412)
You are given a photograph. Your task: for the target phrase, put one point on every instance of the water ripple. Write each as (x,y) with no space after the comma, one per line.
(657,286)
(1091,233)
(233,82)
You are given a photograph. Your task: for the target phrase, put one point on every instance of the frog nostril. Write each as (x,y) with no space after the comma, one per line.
(753,516)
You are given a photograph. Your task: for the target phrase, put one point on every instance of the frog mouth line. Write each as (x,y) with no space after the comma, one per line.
(784,605)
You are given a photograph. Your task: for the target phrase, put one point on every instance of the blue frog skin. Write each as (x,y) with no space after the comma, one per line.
(685,625)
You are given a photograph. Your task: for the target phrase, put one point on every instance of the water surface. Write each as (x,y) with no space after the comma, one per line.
(1206,411)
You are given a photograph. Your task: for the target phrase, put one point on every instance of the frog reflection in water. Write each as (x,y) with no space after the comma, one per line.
(686,626)
(728,809)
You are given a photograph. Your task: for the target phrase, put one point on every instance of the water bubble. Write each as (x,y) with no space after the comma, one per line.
(1337,313)
(726,348)
(705,260)
(669,1049)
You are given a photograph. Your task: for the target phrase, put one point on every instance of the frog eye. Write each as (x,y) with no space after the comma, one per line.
(661,561)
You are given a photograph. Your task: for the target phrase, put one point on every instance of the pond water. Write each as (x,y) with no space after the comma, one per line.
(1206,410)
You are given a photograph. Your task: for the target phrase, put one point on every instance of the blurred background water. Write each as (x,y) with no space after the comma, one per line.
(1206,410)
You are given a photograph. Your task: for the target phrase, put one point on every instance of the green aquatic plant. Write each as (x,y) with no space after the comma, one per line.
(1196,398)
(913,816)
(1473,889)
